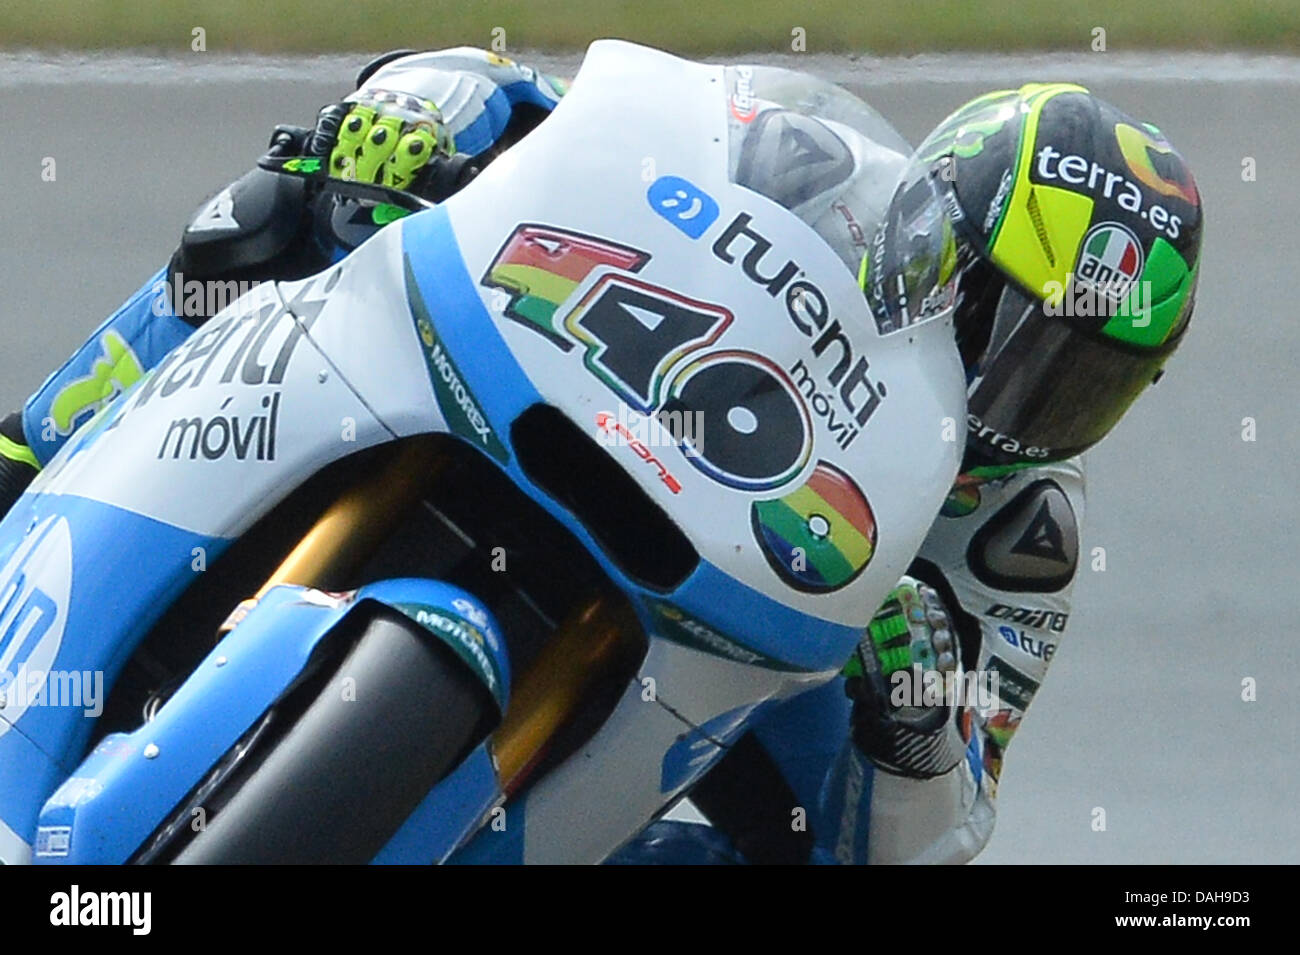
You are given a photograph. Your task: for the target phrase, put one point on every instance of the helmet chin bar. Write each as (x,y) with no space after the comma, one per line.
(977,462)
(978,291)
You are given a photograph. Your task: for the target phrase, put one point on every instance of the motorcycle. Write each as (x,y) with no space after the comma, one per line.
(543,495)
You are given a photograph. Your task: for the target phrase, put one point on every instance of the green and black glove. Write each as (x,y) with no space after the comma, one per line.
(902,680)
(386,138)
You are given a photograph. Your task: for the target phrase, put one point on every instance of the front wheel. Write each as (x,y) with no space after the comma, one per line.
(398,713)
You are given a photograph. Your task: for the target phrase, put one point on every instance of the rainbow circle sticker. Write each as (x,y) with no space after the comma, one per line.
(961,501)
(819,537)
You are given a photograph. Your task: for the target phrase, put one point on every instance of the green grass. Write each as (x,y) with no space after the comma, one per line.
(685,26)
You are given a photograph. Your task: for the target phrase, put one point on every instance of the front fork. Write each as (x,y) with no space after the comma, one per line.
(594,644)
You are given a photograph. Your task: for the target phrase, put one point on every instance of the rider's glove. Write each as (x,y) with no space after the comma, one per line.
(382,137)
(910,645)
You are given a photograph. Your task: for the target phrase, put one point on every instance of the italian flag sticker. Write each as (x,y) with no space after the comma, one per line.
(1110,259)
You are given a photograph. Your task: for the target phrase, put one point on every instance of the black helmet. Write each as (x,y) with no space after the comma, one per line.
(1077,241)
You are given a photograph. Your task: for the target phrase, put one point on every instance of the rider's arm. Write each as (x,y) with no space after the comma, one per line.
(1003,560)
(486,100)
(255,229)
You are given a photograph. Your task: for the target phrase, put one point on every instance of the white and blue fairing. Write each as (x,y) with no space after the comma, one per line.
(527,287)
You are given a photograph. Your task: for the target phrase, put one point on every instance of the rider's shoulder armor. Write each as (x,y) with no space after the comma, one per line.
(1005,554)
(477,92)
(1010,548)
(245,225)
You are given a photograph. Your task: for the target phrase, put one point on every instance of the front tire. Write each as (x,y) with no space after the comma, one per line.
(338,783)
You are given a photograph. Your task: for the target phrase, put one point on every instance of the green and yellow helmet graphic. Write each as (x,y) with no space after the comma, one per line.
(1065,193)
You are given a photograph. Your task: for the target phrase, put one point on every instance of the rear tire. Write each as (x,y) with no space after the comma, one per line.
(338,783)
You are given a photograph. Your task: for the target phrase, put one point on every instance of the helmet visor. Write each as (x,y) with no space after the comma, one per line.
(910,275)
(1046,389)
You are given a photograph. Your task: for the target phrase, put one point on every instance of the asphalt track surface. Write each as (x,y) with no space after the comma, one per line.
(1142,714)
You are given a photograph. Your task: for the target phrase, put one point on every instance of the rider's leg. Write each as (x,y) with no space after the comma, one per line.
(257,229)
(18,465)
(116,356)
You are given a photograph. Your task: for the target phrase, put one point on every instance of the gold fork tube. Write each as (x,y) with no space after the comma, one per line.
(593,644)
(352,528)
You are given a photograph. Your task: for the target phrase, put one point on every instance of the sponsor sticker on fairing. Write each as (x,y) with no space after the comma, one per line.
(743,104)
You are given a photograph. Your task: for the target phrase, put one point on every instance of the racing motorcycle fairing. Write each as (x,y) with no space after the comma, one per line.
(623,312)
(131,783)
(140,501)
(695,333)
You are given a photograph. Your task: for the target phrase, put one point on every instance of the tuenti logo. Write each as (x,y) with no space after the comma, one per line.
(1033,646)
(247,438)
(841,393)
(682,204)
(132,910)
(249,346)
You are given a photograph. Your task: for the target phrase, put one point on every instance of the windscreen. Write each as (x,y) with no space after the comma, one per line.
(828,157)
